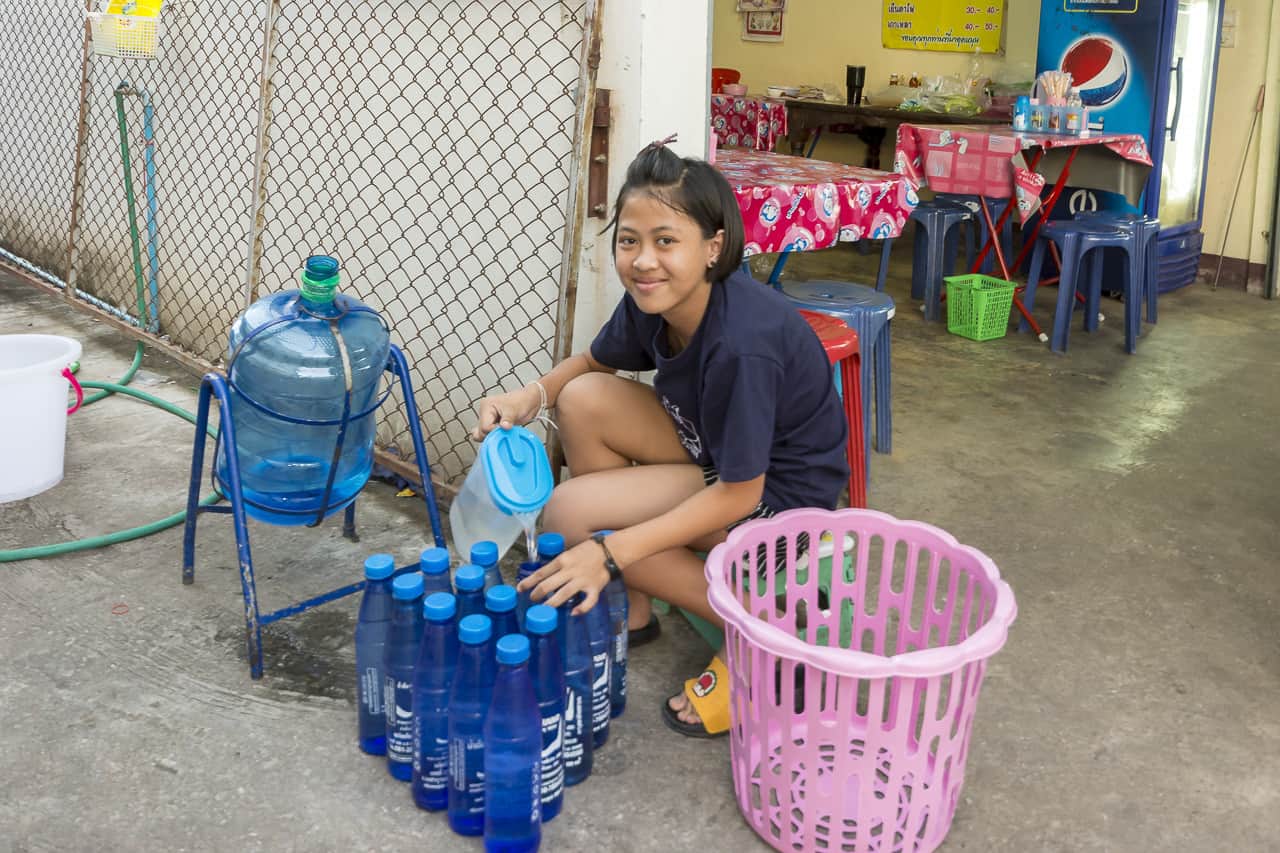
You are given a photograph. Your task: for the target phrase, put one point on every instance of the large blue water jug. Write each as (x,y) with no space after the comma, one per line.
(291,357)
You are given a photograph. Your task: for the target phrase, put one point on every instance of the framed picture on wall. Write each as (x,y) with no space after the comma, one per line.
(762,26)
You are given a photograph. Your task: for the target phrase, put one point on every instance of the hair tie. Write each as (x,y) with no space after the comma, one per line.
(662,143)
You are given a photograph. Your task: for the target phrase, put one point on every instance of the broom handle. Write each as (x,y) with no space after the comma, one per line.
(1231,211)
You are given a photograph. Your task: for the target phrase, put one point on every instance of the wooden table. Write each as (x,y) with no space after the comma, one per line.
(809,118)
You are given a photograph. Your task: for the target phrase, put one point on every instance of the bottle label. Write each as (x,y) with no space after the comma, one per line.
(430,759)
(601,665)
(552,757)
(466,771)
(371,688)
(576,728)
(399,704)
(620,660)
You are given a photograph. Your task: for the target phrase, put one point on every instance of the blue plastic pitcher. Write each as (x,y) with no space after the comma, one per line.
(505,490)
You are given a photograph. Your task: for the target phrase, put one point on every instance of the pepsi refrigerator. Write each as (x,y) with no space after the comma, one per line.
(1148,67)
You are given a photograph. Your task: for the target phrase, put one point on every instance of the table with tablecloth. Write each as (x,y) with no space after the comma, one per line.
(797,204)
(747,122)
(992,162)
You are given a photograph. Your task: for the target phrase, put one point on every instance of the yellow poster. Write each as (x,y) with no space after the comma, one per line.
(956,25)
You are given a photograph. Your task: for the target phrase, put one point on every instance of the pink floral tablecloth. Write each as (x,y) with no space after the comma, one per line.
(748,122)
(988,160)
(812,204)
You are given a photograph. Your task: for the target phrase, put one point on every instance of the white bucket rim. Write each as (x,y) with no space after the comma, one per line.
(68,351)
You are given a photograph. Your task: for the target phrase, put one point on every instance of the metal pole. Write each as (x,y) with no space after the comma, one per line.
(257,206)
(82,143)
(1244,158)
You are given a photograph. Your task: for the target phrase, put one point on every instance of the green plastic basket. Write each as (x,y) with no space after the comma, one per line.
(978,306)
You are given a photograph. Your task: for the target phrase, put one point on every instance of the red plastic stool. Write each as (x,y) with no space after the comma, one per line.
(841,345)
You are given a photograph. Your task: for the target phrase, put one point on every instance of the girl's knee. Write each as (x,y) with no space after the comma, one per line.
(583,395)
(568,512)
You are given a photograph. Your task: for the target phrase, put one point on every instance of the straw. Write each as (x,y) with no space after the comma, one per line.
(1055,86)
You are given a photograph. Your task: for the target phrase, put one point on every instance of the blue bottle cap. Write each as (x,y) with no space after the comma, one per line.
(378,567)
(550,545)
(407,587)
(439,607)
(500,598)
(434,561)
(475,629)
(540,619)
(468,578)
(484,553)
(513,649)
(517,470)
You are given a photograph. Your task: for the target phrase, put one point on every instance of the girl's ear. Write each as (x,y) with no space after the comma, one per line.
(714,246)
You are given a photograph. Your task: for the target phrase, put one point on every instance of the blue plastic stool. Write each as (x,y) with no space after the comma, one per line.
(996,207)
(868,313)
(1076,239)
(1148,230)
(775,275)
(934,250)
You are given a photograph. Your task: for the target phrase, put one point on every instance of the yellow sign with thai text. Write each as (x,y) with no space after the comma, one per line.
(954,25)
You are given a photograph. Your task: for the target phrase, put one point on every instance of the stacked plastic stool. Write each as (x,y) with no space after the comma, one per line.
(841,345)
(996,207)
(868,313)
(1076,239)
(1148,228)
(934,249)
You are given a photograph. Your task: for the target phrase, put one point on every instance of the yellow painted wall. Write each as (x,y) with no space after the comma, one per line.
(1241,70)
(821,37)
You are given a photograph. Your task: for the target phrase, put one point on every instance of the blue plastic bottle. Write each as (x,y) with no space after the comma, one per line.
(485,555)
(500,606)
(432,681)
(434,563)
(550,546)
(616,597)
(601,670)
(547,672)
(402,655)
(372,626)
(469,702)
(513,755)
(283,355)
(578,745)
(468,580)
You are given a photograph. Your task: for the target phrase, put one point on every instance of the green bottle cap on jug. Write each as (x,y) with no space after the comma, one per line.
(320,279)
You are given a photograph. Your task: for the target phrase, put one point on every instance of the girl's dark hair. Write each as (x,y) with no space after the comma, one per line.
(693,187)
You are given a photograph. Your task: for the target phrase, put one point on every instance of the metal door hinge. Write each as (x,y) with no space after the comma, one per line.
(598,169)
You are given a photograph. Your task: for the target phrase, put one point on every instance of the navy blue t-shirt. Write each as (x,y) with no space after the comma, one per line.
(750,394)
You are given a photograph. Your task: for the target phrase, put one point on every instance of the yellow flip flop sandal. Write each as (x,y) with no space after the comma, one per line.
(709,696)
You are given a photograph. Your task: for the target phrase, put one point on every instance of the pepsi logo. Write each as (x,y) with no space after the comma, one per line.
(1099,68)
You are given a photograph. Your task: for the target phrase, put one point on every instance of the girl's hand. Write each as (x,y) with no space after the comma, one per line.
(506,410)
(580,569)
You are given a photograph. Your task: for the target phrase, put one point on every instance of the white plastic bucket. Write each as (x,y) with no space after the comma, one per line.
(33,412)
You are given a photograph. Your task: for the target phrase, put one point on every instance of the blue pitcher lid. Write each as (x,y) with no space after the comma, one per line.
(517,469)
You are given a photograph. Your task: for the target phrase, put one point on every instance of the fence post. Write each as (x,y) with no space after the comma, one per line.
(77,179)
(258,201)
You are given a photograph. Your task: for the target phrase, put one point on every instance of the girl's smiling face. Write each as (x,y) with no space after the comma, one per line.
(663,260)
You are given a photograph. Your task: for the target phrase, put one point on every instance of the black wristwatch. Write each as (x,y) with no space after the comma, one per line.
(615,571)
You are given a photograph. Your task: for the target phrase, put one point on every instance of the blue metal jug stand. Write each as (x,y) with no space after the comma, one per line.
(216,385)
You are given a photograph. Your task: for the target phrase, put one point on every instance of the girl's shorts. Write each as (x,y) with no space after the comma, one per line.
(763,510)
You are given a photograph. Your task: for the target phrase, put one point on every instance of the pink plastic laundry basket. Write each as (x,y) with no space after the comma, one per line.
(854,676)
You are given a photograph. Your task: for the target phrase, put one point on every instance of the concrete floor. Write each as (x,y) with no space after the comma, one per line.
(1131,502)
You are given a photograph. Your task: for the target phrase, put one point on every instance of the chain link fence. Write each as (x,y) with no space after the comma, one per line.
(429,145)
